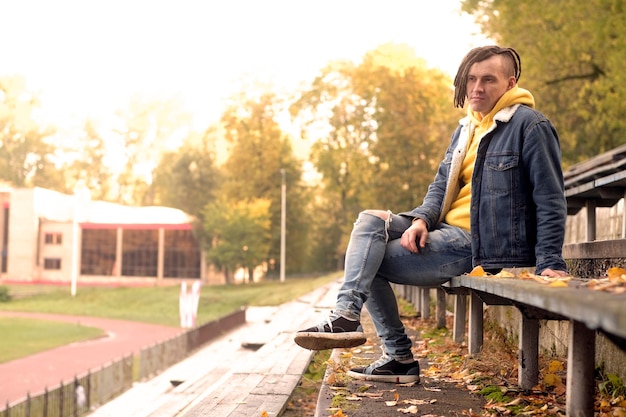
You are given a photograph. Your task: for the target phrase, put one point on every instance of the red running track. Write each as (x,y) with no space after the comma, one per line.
(32,374)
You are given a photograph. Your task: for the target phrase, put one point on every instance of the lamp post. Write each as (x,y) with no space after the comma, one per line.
(283,222)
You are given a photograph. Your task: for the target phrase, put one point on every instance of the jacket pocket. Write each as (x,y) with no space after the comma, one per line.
(500,175)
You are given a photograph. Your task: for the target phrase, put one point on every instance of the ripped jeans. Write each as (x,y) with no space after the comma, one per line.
(375,258)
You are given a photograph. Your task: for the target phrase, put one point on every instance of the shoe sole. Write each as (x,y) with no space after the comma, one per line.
(396,379)
(323,341)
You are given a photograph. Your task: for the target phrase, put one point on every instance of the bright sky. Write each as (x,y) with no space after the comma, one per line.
(87,57)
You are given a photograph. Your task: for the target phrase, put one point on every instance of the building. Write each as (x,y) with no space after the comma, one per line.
(48,236)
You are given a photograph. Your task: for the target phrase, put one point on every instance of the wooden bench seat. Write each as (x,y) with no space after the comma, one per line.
(587,311)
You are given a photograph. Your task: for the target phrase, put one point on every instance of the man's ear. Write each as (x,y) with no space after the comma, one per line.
(512,83)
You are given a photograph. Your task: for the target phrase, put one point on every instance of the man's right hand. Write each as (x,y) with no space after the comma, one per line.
(414,238)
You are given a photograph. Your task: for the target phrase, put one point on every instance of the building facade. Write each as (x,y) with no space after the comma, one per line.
(48,236)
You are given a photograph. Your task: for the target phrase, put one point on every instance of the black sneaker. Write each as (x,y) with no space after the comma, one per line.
(387,369)
(335,332)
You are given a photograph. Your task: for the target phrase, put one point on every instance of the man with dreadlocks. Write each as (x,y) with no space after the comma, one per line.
(496,201)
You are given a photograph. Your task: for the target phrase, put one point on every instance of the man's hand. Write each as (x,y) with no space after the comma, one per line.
(554,273)
(414,238)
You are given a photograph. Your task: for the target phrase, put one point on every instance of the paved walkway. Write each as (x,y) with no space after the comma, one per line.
(47,369)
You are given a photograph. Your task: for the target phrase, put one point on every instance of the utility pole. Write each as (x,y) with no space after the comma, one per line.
(283,223)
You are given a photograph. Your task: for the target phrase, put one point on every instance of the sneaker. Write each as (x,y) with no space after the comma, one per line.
(335,332)
(387,369)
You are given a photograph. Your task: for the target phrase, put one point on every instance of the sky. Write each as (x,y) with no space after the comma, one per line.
(86,58)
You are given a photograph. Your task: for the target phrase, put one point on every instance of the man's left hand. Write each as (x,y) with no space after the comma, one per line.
(554,273)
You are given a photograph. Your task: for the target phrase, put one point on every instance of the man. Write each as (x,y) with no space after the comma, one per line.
(497,201)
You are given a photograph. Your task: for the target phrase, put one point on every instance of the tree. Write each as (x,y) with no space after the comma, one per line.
(26,157)
(260,149)
(87,163)
(236,235)
(188,178)
(380,128)
(414,118)
(573,58)
(148,128)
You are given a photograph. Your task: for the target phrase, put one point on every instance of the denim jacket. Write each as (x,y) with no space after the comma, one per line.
(518,207)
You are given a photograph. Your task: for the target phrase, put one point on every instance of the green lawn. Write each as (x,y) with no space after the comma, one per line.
(22,337)
(157,305)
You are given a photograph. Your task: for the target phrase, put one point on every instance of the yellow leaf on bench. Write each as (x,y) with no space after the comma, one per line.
(616,274)
(478,272)
(558,283)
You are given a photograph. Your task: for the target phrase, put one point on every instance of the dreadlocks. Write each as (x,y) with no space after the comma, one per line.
(477,55)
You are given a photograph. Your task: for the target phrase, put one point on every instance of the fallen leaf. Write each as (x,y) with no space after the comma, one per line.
(605,286)
(555,366)
(526,275)
(558,283)
(460,375)
(331,379)
(516,401)
(370,394)
(605,405)
(409,410)
(619,412)
(552,380)
(478,272)
(616,274)
(419,402)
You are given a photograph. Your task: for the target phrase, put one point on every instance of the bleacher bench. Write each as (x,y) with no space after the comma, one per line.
(587,311)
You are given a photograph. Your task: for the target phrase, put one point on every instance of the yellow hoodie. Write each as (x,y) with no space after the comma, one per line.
(459,213)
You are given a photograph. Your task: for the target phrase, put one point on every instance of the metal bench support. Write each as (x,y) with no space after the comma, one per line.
(460,311)
(580,370)
(528,370)
(475,342)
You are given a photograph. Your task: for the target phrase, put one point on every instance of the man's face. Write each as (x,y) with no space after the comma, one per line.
(487,82)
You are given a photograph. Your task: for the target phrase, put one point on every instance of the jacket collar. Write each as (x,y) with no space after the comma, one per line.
(503,115)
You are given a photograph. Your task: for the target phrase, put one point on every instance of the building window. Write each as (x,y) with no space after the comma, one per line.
(182,255)
(53,238)
(97,255)
(140,253)
(52,263)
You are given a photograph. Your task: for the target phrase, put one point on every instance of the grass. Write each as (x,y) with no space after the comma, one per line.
(22,337)
(156,305)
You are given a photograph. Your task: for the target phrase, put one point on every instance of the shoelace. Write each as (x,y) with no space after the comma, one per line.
(380,362)
(329,320)
(330,323)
